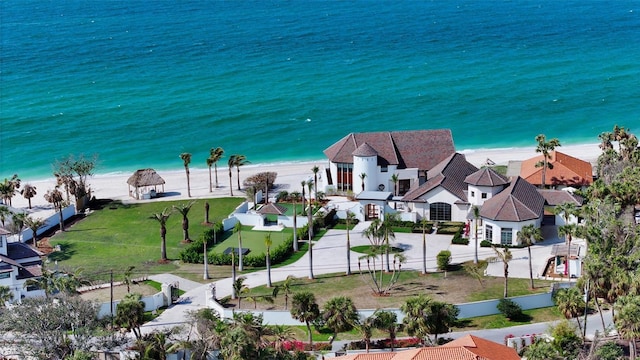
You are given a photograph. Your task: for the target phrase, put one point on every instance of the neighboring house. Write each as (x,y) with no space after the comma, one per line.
(468,347)
(408,154)
(565,171)
(443,197)
(554,198)
(18,263)
(507,212)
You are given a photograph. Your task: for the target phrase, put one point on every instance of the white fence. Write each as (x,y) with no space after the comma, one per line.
(467,310)
(51,221)
(151,302)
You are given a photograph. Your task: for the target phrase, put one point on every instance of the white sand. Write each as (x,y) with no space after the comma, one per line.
(289,177)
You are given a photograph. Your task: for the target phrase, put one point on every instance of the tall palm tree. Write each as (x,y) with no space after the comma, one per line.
(570,303)
(415,319)
(238,161)
(5,213)
(186,159)
(8,188)
(424,223)
(28,192)
(315,171)
(476,218)
(305,309)
(267,243)
(545,147)
(567,210)
(230,163)
(295,196)
(184,209)
(162,218)
(310,228)
(340,315)
(505,256)
(350,218)
(56,198)
(362,177)
(34,224)
(18,220)
(528,236)
(215,154)
(237,228)
(387,230)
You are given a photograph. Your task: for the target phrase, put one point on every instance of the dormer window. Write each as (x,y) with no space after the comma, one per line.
(484,195)
(384,168)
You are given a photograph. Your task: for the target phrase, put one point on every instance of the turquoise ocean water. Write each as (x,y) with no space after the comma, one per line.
(139,82)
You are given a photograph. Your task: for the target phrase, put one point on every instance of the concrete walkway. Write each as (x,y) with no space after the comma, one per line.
(329,257)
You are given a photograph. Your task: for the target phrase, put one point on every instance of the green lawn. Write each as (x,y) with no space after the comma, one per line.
(253,240)
(123,235)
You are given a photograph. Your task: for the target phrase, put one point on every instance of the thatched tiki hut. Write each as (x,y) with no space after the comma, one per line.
(142,180)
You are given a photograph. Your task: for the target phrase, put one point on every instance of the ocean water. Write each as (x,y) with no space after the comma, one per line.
(139,82)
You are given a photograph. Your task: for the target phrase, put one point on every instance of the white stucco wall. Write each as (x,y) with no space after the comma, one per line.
(474,193)
(367,165)
(441,195)
(515,226)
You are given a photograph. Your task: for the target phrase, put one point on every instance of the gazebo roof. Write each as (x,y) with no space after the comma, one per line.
(272,209)
(145,177)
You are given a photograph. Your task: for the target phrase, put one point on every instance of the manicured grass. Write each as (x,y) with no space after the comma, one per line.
(366,249)
(253,240)
(499,321)
(123,235)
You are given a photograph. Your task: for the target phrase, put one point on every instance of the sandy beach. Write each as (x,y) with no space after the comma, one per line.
(289,177)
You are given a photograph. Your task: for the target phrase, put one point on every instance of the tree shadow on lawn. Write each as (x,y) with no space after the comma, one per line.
(67,250)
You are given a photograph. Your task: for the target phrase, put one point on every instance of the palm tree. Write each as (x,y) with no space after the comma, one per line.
(339,315)
(387,229)
(126,278)
(350,218)
(310,228)
(267,243)
(305,309)
(240,288)
(315,171)
(295,196)
(476,218)
(628,320)
(441,317)
(5,212)
(18,222)
(415,319)
(34,224)
(230,163)
(186,159)
(424,223)
(394,179)
(365,327)
(286,288)
(8,188)
(184,209)
(281,334)
(46,282)
(130,314)
(570,303)
(56,199)
(28,192)
(239,160)
(215,154)
(5,295)
(545,147)
(505,256)
(233,272)
(362,177)
(162,218)
(528,236)
(387,321)
(237,228)
(567,210)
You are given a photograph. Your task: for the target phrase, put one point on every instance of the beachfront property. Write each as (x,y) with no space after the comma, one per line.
(564,171)
(18,263)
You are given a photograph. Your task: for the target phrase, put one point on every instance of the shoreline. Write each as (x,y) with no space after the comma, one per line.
(114,185)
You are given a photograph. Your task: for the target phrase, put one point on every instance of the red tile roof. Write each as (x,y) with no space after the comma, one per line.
(421,149)
(468,347)
(567,170)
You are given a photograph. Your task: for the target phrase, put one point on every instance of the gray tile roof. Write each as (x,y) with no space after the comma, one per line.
(486,177)
(557,197)
(421,149)
(17,251)
(519,202)
(450,174)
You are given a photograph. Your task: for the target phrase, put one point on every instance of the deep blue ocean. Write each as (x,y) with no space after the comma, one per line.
(139,82)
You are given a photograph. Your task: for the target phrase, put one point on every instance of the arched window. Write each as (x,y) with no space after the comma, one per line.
(440,212)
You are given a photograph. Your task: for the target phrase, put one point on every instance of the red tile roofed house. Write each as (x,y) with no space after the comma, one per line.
(506,213)
(18,263)
(381,154)
(468,347)
(567,171)
(443,197)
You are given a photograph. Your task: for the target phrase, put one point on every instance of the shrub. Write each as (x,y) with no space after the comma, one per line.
(509,309)
(609,351)
(444,259)
(458,239)
(448,230)
(417,227)
(485,243)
